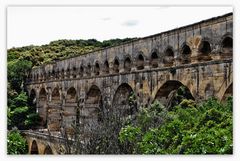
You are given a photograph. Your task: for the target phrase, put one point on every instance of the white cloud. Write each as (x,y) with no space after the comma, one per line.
(130,23)
(106,18)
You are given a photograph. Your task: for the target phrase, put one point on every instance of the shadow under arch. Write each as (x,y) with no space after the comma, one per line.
(228,92)
(93,111)
(34,148)
(48,150)
(121,104)
(172,92)
(70,109)
(42,106)
(32,100)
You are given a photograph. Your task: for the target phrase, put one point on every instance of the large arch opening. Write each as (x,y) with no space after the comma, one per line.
(48,150)
(97,69)
(93,111)
(42,107)
(106,67)
(74,72)
(58,74)
(127,64)
(228,92)
(68,73)
(154,59)
(204,50)
(122,105)
(32,100)
(171,93)
(71,95)
(227,45)
(116,66)
(56,96)
(186,54)
(168,57)
(54,116)
(81,71)
(34,148)
(140,62)
(70,108)
(88,70)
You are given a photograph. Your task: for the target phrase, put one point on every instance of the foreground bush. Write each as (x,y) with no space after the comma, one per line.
(16,144)
(189,128)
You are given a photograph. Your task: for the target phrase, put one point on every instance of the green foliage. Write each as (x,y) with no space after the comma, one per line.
(59,50)
(20,114)
(189,128)
(129,133)
(17,71)
(16,144)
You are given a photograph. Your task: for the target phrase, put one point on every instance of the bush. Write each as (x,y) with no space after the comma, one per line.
(189,128)
(16,144)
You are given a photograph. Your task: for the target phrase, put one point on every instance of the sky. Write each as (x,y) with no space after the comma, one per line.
(40,25)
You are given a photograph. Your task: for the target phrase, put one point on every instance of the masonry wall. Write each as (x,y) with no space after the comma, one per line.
(198,56)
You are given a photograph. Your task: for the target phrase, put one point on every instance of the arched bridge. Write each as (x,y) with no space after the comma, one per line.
(197,56)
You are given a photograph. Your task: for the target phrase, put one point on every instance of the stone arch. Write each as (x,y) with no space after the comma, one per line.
(70,110)
(127,64)
(56,95)
(204,50)
(186,53)
(97,68)
(228,92)
(168,58)
(166,94)
(227,44)
(106,67)
(54,114)
(74,72)
(140,61)
(62,73)
(81,71)
(49,74)
(48,150)
(34,148)
(88,69)
(93,111)
(42,106)
(71,95)
(68,72)
(32,101)
(154,59)
(209,91)
(57,74)
(121,105)
(54,73)
(116,65)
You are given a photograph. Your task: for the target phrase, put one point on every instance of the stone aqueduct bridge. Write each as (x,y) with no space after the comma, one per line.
(198,56)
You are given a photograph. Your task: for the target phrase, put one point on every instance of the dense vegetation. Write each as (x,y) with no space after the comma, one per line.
(60,49)
(189,128)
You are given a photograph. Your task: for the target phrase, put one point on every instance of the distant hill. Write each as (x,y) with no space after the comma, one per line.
(60,49)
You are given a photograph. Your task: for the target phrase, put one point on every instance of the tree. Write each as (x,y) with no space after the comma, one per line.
(17,72)
(20,114)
